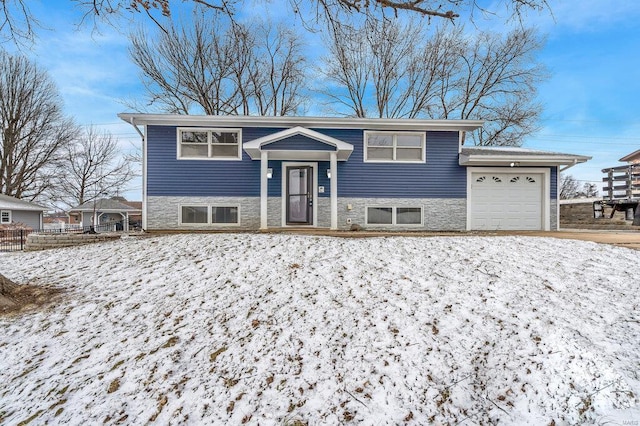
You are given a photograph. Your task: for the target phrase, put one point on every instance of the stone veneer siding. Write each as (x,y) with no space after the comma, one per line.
(553,215)
(439,214)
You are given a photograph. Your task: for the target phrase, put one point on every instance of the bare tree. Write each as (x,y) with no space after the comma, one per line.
(200,67)
(34,129)
(568,187)
(497,82)
(18,23)
(445,75)
(92,167)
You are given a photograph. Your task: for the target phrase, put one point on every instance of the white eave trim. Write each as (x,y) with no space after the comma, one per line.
(305,122)
(254,147)
(522,160)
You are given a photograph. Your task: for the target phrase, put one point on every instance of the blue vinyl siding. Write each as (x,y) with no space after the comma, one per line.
(554,183)
(168,176)
(440,177)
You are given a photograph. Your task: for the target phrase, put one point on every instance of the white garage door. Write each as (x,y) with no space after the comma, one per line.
(510,201)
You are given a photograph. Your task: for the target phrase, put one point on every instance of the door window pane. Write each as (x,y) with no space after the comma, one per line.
(298,181)
(298,208)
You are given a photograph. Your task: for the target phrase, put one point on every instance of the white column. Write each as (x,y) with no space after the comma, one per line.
(264,184)
(334,190)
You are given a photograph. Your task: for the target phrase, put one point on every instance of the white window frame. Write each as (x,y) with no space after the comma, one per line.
(209,214)
(394,215)
(210,144)
(2,216)
(423,137)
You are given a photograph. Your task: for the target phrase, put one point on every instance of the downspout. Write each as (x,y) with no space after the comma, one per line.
(144,171)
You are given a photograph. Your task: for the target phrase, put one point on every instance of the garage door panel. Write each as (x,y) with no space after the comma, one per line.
(509,201)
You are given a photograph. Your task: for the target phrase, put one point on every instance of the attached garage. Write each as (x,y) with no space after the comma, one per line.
(501,200)
(513,188)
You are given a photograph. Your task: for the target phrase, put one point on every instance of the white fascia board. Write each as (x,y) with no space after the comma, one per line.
(306,122)
(526,160)
(17,208)
(299,155)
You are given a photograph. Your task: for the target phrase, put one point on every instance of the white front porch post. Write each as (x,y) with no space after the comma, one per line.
(264,184)
(334,190)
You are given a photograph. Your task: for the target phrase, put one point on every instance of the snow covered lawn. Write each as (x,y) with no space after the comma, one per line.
(289,329)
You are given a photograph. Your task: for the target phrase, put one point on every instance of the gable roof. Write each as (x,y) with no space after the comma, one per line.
(506,156)
(104,205)
(635,155)
(254,147)
(12,203)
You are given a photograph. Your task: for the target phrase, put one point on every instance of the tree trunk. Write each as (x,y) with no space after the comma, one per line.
(7,287)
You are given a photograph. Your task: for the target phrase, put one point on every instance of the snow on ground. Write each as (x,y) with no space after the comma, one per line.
(286,329)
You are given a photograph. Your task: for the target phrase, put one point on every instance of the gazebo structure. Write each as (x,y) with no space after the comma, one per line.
(103,211)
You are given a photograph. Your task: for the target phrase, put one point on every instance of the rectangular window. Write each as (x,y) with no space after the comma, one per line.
(408,216)
(394,216)
(194,214)
(394,147)
(209,215)
(224,215)
(215,144)
(5,216)
(380,216)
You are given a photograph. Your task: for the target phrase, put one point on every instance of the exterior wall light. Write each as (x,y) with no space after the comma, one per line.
(269,173)
(329,173)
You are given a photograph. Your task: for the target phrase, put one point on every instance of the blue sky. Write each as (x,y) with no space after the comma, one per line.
(590,101)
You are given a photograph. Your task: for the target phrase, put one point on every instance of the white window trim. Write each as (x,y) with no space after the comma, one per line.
(179,131)
(209,215)
(394,216)
(2,221)
(422,135)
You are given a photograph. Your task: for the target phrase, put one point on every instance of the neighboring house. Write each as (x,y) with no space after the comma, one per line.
(226,172)
(621,189)
(102,211)
(633,158)
(16,211)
